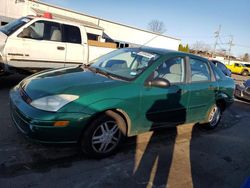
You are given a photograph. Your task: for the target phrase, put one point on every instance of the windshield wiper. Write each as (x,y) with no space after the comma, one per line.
(99,71)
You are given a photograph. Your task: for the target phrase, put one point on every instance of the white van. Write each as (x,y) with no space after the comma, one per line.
(34,43)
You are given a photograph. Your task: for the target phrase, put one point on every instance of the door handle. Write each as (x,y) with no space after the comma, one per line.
(60,48)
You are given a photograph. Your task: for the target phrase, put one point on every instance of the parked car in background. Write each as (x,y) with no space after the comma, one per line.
(242,90)
(222,67)
(34,43)
(239,68)
(123,93)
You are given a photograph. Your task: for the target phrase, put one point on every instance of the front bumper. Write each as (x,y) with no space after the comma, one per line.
(39,126)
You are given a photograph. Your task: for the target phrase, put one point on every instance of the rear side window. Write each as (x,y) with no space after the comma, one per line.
(221,66)
(71,34)
(219,75)
(199,70)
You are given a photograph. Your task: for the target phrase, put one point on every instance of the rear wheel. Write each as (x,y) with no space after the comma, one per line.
(102,138)
(245,73)
(214,117)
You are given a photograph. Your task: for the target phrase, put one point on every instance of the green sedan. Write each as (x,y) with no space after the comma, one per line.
(121,94)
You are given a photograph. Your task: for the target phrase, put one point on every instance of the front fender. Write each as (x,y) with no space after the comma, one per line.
(121,104)
(129,110)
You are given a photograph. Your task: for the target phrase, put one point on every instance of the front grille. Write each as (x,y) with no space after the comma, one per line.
(21,124)
(24,95)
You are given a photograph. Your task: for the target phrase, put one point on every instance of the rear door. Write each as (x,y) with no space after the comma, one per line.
(202,89)
(75,52)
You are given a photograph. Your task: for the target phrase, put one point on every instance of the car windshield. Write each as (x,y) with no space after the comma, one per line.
(126,63)
(11,27)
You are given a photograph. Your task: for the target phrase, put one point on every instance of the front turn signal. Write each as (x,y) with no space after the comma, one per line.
(61,123)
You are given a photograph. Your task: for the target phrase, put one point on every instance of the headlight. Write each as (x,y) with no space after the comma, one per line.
(54,102)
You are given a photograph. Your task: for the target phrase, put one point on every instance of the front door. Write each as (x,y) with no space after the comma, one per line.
(37,46)
(166,106)
(238,68)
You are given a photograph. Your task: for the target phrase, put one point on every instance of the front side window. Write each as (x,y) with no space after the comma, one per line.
(126,63)
(172,70)
(238,65)
(199,70)
(43,30)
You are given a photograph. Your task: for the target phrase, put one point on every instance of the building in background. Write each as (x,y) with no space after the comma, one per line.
(98,29)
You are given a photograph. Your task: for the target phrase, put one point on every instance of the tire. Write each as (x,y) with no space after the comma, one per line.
(214,117)
(245,73)
(103,136)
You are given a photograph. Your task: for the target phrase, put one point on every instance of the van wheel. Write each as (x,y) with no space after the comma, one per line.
(214,117)
(102,137)
(244,73)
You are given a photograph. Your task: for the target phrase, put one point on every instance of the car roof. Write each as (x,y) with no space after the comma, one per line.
(162,51)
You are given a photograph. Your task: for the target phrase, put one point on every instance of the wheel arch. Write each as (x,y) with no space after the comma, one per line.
(221,102)
(124,123)
(245,70)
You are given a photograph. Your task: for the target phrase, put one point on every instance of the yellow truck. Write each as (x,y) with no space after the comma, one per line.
(239,68)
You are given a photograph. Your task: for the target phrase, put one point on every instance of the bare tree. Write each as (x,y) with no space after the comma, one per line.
(200,45)
(156,26)
(245,57)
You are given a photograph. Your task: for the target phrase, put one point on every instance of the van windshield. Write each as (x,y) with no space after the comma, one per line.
(11,27)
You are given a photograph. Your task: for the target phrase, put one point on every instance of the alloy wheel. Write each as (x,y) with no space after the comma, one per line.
(106,137)
(214,116)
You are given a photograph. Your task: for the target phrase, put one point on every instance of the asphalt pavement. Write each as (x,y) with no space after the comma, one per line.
(187,156)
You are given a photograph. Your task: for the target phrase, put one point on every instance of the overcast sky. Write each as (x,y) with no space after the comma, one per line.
(189,20)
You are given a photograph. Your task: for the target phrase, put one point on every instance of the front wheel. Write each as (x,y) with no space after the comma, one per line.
(245,73)
(214,117)
(102,138)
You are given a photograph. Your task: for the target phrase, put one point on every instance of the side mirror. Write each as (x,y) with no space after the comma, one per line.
(159,82)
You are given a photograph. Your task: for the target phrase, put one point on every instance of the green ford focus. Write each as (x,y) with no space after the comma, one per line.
(121,94)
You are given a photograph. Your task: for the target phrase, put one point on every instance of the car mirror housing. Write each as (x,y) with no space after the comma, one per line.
(158,82)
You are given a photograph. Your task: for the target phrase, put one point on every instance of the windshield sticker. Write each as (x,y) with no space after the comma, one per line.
(26,20)
(133,73)
(147,55)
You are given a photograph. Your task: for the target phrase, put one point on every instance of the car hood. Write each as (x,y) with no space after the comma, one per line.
(75,81)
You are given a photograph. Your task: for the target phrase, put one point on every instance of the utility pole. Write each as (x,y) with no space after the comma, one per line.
(217,35)
(230,47)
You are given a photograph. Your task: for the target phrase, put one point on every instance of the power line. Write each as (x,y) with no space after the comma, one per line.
(242,45)
(230,47)
(217,35)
